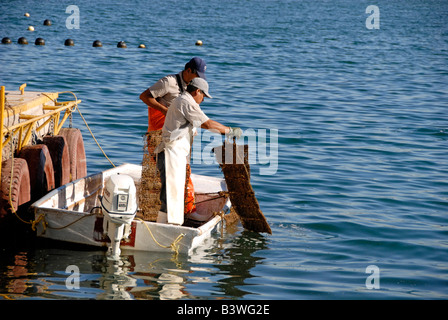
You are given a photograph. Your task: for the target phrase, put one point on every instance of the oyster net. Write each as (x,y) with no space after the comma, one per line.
(149,188)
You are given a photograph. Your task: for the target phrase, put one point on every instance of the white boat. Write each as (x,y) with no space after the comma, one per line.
(73,213)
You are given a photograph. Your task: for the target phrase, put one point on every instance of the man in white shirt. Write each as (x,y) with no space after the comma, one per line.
(182,117)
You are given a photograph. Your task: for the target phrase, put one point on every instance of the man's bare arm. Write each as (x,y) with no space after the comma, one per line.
(150,101)
(215,126)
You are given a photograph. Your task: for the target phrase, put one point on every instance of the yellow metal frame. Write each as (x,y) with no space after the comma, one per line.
(25,128)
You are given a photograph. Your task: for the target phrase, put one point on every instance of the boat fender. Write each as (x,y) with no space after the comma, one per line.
(40,167)
(78,162)
(20,188)
(58,147)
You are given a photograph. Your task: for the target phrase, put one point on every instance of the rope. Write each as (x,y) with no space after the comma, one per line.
(91,133)
(174,246)
(36,222)
(85,122)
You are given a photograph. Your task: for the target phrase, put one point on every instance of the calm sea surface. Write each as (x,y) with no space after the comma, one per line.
(356,177)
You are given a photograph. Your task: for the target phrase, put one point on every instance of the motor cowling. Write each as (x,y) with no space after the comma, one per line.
(120,198)
(119,206)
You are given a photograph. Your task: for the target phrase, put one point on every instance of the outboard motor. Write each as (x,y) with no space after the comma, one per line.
(119,206)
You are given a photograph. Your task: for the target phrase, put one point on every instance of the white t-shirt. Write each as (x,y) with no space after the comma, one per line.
(166,89)
(183,115)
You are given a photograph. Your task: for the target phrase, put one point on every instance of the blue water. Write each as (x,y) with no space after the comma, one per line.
(361,176)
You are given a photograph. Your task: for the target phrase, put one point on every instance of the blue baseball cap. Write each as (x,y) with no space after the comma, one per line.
(198,65)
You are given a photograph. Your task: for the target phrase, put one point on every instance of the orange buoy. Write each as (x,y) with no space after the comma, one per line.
(20,187)
(78,163)
(40,167)
(58,147)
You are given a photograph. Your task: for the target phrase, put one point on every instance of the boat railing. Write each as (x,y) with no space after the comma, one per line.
(28,124)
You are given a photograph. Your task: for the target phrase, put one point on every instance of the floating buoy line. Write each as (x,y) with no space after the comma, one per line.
(70,42)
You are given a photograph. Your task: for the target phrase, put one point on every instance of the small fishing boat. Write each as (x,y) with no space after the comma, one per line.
(96,210)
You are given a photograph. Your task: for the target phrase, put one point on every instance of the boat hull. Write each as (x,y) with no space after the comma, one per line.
(71,213)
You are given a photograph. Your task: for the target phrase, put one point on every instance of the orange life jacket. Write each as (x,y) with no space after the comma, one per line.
(190,205)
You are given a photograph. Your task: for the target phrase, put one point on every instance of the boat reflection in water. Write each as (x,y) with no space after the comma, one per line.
(219,270)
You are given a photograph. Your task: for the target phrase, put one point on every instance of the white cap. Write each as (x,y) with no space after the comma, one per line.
(202,85)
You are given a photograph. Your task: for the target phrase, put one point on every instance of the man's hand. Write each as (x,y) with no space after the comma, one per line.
(235,132)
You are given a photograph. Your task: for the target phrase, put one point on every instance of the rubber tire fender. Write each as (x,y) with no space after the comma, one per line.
(20,189)
(40,167)
(58,147)
(78,163)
